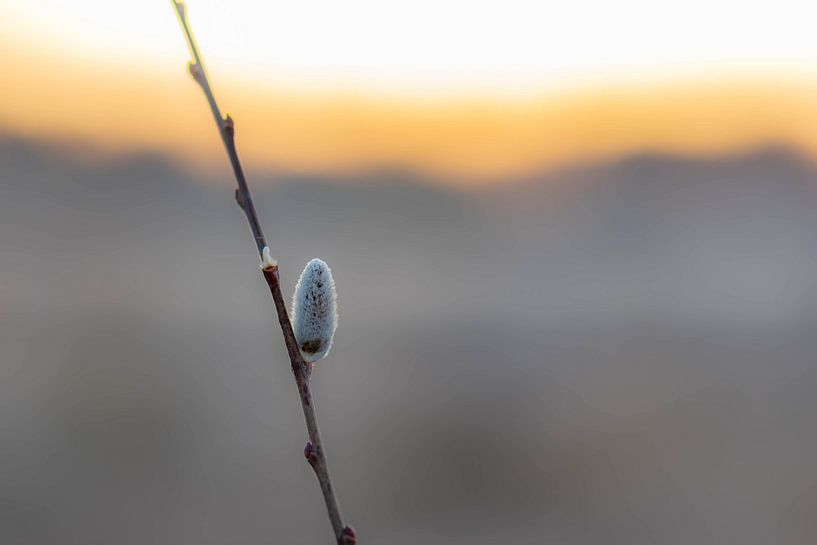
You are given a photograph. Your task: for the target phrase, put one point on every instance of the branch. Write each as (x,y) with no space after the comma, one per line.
(313,452)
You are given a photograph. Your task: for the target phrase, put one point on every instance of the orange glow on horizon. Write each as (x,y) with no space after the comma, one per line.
(457,139)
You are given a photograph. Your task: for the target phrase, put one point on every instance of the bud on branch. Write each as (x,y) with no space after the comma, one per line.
(314,318)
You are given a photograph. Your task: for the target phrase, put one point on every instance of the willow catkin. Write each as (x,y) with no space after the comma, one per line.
(314,317)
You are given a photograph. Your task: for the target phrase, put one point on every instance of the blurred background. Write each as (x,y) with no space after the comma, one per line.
(575,246)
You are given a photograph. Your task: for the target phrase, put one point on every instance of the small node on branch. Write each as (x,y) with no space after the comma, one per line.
(229,126)
(267,261)
(197,72)
(348,536)
(311,454)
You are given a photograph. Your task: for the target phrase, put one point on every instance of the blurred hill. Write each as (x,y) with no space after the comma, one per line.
(613,353)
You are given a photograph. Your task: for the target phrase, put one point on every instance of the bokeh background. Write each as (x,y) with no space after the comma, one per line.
(575,248)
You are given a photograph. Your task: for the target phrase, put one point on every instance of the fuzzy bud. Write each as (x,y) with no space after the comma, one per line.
(314,318)
(267,261)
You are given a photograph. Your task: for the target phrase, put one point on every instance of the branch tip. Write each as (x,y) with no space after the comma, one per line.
(180,8)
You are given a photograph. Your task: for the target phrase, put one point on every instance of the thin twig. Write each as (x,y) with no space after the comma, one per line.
(314,451)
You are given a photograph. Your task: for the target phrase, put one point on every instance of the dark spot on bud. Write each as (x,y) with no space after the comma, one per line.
(311,347)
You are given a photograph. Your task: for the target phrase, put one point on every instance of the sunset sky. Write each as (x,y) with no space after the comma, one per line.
(465,92)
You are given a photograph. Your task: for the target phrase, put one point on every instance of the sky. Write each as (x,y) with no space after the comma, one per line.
(467,92)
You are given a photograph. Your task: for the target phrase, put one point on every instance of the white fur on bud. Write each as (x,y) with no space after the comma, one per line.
(267,261)
(314,317)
